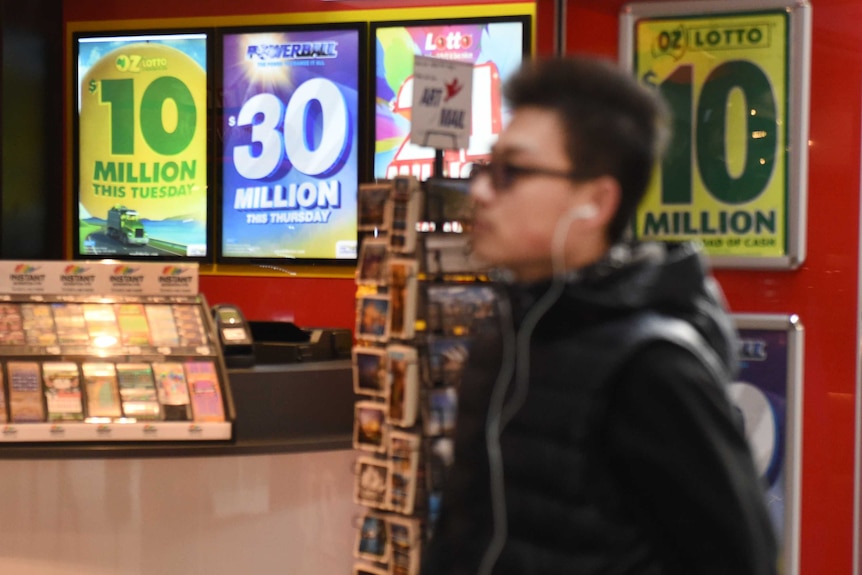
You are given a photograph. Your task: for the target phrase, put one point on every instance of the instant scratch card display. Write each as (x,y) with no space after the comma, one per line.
(134,329)
(205,391)
(62,391)
(103,395)
(138,391)
(190,325)
(11,325)
(173,390)
(163,330)
(38,323)
(25,392)
(101,324)
(70,324)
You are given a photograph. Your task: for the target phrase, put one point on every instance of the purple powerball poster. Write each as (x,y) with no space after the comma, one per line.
(767,393)
(290,156)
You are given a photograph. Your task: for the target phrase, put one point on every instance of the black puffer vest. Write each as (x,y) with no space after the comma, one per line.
(563,509)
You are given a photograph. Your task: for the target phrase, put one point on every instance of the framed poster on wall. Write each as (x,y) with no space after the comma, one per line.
(768,395)
(141,170)
(735,75)
(292,103)
(495,46)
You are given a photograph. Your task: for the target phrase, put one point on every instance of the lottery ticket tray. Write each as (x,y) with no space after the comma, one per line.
(95,430)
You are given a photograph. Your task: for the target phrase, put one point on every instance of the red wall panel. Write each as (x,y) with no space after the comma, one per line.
(823,292)
(308,302)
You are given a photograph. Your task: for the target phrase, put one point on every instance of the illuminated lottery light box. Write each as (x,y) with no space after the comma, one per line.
(292,101)
(140,168)
(496,48)
(109,351)
(736,77)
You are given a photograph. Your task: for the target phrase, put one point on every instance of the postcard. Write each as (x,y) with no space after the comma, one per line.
(402,289)
(369,426)
(372,317)
(372,262)
(369,370)
(372,199)
(372,477)
(403,392)
(404,452)
(373,539)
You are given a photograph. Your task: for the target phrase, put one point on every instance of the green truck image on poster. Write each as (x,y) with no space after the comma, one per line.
(123,224)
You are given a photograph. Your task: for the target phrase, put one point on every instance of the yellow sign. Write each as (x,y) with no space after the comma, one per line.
(724,178)
(143,134)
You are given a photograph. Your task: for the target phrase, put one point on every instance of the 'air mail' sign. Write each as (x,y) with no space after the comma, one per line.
(442,96)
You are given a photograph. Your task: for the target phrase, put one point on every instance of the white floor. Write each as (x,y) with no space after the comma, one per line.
(289,513)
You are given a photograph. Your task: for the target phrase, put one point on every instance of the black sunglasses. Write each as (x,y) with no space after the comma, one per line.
(503,174)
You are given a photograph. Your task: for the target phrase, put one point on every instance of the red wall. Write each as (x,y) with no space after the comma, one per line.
(823,292)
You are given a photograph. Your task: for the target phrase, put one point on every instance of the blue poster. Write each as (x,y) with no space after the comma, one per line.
(290,154)
(761,394)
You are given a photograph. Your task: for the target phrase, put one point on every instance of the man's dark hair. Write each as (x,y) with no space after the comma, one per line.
(613,125)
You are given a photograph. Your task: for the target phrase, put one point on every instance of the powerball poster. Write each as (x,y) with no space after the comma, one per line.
(290,155)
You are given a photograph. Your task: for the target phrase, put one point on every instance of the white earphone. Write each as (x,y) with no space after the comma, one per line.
(583,212)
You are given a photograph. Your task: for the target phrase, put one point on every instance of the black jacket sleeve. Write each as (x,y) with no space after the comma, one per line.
(673,440)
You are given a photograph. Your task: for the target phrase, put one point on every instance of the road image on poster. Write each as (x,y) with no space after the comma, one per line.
(494,47)
(290,156)
(142,146)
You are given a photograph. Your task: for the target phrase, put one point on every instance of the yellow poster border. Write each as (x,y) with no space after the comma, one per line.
(369,17)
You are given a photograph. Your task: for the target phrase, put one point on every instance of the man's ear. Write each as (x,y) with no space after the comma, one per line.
(604,194)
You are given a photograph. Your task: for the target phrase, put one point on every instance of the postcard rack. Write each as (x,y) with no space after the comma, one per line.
(417,302)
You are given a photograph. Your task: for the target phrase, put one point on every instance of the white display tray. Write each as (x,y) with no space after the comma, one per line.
(138,431)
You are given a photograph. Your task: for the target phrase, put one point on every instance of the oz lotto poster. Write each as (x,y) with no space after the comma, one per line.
(142,118)
(290,158)
(724,177)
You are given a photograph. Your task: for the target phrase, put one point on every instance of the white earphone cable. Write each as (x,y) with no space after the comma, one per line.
(500,412)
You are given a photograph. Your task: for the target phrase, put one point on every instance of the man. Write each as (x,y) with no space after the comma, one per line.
(594,434)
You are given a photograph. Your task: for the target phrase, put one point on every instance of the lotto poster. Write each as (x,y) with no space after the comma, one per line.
(724,179)
(290,156)
(495,50)
(142,110)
